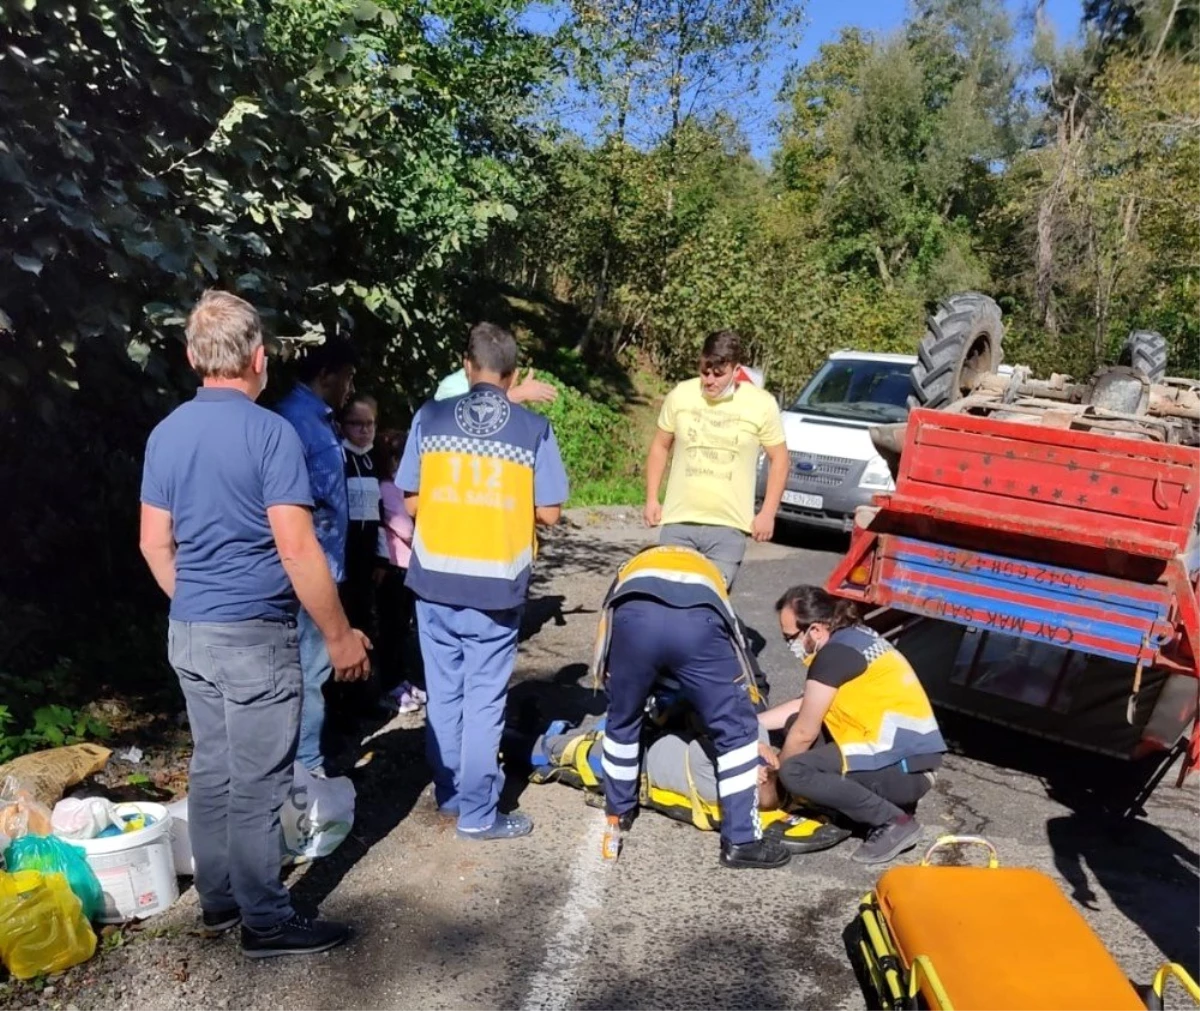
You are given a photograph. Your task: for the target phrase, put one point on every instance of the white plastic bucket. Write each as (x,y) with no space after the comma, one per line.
(136,869)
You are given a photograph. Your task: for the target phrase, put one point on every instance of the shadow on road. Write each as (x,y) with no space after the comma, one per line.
(1091,784)
(1150,876)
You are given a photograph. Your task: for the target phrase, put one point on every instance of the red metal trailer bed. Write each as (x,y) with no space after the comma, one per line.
(1082,540)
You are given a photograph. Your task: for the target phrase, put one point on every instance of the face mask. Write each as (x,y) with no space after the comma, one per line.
(801,650)
(728,389)
(358,450)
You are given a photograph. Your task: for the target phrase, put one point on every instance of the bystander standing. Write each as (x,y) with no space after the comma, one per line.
(325,381)
(227,531)
(711,429)
(400,670)
(478,472)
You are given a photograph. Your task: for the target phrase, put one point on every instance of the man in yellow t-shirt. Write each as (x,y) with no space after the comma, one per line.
(711,429)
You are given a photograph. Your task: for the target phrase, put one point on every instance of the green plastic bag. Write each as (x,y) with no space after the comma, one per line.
(52,855)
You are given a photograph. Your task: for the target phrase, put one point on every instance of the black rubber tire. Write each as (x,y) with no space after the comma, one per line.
(1146,351)
(962,343)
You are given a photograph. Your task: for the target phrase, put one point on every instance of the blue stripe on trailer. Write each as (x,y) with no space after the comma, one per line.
(1025,599)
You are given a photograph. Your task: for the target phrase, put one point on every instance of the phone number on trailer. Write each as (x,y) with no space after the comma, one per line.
(965,560)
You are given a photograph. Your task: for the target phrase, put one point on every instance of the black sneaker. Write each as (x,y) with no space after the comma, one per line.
(886,842)
(217,921)
(764,853)
(301,935)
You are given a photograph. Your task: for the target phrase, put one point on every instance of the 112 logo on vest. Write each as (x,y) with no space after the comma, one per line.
(482,413)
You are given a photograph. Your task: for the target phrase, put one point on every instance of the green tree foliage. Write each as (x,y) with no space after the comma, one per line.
(335,161)
(1097,230)
(891,144)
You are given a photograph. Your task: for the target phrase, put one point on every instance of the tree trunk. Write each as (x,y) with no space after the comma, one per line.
(885,275)
(1162,38)
(598,303)
(1045,261)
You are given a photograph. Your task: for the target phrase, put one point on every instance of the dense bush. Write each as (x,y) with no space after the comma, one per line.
(595,441)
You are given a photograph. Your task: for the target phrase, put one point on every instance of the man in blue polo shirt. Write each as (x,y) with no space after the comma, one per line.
(227,531)
(325,382)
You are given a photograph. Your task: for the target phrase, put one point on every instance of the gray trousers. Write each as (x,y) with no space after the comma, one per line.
(725,547)
(870,798)
(242,684)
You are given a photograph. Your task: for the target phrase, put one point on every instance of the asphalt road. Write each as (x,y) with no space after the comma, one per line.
(542,923)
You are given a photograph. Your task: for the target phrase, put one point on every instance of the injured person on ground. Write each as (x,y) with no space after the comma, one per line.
(678,778)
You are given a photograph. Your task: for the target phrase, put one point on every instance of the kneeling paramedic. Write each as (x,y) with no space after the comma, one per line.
(863,741)
(668,614)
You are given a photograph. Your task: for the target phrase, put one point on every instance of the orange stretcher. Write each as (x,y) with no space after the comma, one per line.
(989,937)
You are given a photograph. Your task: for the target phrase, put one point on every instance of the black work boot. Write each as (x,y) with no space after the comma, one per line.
(886,842)
(764,853)
(624,821)
(301,935)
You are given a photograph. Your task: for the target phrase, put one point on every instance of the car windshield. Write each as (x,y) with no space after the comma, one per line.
(858,388)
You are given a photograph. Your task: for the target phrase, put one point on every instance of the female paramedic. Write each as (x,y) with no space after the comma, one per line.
(863,740)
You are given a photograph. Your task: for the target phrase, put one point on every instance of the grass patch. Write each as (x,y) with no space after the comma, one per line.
(608,491)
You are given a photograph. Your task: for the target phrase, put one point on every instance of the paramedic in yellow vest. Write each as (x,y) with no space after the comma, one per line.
(667,623)
(478,472)
(863,740)
(711,429)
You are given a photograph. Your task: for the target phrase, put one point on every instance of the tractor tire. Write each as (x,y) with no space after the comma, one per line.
(962,343)
(1146,351)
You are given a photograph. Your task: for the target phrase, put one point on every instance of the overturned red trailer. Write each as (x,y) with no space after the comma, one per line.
(1039,560)
(1078,541)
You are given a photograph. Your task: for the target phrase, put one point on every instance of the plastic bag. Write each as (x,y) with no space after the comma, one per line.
(21,813)
(42,926)
(50,855)
(47,774)
(82,817)
(317,815)
(181,839)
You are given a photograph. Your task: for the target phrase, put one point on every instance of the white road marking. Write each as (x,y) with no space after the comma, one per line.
(553,986)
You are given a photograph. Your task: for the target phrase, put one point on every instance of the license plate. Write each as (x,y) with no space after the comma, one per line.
(804,501)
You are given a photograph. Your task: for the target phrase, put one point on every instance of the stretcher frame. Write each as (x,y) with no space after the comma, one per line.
(901,985)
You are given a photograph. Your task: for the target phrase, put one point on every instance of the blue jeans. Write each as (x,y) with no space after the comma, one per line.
(469,657)
(314,661)
(241,681)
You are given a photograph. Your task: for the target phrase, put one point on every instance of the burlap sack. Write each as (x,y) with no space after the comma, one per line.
(47,774)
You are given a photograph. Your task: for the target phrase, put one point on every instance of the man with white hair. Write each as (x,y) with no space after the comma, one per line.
(227,531)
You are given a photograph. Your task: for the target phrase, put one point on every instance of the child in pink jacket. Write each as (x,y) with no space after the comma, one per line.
(395,601)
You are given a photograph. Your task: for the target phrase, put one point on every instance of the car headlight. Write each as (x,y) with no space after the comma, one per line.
(877,477)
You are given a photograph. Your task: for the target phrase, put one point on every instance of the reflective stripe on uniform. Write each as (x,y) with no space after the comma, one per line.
(738,756)
(736,784)
(434,562)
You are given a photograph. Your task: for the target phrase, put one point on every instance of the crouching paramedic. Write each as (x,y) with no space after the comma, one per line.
(863,740)
(477,473)
(668,613)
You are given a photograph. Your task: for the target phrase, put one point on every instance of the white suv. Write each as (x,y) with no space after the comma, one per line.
(834,465)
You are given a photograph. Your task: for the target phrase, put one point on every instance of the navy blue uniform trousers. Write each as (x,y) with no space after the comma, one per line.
(692,646)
